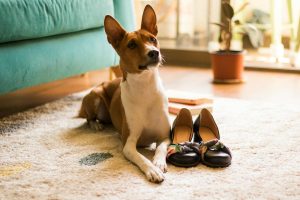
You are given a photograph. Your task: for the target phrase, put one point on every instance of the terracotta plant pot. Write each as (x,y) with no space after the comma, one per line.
(228,67)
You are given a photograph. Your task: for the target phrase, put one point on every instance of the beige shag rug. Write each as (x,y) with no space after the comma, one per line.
(45,153)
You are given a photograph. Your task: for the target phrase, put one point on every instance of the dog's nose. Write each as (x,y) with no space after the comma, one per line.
(153,54)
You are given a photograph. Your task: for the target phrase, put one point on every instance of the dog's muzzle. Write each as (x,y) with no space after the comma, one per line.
(153,55)
(153,59)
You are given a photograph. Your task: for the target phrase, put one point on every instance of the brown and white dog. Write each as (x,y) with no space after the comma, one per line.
(136,104)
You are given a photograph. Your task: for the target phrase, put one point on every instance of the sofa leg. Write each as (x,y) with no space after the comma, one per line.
(84,75)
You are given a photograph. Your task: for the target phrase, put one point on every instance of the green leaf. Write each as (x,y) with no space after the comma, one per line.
(243,6)
(237,22)
(254,34)
(227,10)
(221,25)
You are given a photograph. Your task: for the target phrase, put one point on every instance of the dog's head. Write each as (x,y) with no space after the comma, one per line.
(138,50)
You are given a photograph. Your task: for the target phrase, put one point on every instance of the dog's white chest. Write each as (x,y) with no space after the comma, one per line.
(145,103)
(144,89)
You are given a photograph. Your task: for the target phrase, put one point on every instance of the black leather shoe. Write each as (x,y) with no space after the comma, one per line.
(213,152)
(182,152)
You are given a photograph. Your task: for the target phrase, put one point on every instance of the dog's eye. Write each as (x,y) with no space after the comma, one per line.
(131,44)
(152,39)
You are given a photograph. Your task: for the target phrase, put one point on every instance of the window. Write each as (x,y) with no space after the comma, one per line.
(187,25)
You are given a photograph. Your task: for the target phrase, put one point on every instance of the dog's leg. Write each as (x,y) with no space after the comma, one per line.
(159,159)
(94,109)
(96,115)
(153,173)
(95,125)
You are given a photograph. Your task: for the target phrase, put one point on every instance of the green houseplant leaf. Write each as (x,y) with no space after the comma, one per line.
(254,34)
(227,28)
(242,7)
(227,10)
(223,26)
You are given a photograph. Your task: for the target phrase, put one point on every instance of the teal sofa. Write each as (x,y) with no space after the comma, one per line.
(47,40)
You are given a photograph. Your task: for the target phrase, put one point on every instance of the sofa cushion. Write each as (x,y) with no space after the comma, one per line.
(27,19)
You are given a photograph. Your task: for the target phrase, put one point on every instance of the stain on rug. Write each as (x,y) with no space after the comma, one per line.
(94,158)
(12,169)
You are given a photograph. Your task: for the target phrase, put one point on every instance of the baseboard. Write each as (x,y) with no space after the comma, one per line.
(23,99)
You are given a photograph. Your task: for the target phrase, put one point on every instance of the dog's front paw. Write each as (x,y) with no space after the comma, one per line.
(96,125)
(154,174)
(161,164)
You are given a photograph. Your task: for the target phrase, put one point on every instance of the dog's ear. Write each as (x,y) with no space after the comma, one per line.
(114,30)
(149,20)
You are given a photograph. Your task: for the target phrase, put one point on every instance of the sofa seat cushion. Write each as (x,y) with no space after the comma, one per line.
(28,19)
(32,62)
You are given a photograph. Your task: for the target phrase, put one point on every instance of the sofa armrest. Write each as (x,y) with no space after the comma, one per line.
(124,13)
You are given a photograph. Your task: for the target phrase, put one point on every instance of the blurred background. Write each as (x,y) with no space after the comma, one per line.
(186,25)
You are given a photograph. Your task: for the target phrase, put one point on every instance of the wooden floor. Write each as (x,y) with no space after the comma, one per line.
(262,86)
(259,86)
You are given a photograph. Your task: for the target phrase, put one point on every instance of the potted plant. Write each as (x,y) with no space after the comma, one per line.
(227,64)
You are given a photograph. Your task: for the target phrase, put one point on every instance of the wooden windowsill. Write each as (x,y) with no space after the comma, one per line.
(201,58)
